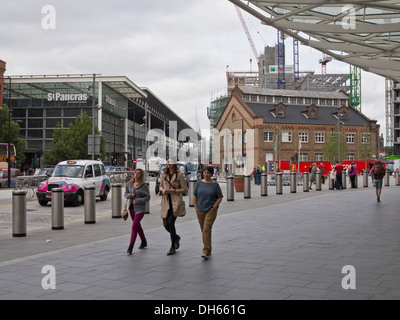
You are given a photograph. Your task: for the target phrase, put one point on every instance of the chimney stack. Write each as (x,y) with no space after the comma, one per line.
(2,70)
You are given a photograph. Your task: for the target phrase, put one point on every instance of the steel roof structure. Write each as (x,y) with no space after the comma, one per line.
(363,33)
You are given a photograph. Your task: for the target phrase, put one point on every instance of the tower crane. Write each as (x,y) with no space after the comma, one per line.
(246,30)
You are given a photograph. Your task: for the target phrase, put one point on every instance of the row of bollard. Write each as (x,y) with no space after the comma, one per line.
(293,183)
(57,208)
(57,198)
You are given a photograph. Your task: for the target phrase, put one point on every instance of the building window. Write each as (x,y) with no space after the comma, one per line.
(262,98)
(281,114)
(300,101)
(270,99)
(286,137)
(303,137)
(314,101)
(268,136)
(350,137)
(319,157)
(320,137)
(278,99)
(365,138)
(322,102)
(293,100)
(308,100)
(329,102)
(303,156)
(350,156)
(254,98)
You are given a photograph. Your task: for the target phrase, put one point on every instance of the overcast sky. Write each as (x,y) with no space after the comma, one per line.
(179,49)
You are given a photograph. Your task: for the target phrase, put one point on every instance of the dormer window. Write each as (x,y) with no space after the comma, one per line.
(312,112)
(280,110)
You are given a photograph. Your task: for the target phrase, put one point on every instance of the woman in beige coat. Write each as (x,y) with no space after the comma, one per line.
(172,187)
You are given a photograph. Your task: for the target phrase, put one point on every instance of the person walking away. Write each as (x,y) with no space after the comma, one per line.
(207,196)
(138,193)
(322,170)
(172,187)
(339,171)
(313,174)
(378,172)
(353,174)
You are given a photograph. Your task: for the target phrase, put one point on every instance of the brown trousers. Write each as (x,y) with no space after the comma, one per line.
(206,221)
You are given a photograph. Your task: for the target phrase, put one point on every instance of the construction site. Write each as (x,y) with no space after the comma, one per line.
(276,73)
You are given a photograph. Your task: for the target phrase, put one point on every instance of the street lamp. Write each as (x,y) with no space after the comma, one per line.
(339,123)
(9,133)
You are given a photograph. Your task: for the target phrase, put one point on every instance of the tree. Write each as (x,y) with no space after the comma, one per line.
(330,149)
(72,143)
(15,129)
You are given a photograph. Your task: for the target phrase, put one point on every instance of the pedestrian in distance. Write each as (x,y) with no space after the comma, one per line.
(378,172)
(339,171)
(207,196)
(313,174)
(172,187)
(353,174)
(138,194)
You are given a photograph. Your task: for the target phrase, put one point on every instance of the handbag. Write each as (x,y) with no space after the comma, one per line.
(124,211)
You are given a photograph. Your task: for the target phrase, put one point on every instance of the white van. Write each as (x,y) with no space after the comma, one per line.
(73,176)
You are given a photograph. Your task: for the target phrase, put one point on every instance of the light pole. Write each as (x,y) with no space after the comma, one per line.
(339,123)
(9,132)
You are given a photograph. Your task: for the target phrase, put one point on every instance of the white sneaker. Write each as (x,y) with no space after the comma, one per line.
(205,256)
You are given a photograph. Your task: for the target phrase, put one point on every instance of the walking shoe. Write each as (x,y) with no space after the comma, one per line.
(129,251)
(205,256)
(143,244)
(177,244)
(171,252)
(379,199)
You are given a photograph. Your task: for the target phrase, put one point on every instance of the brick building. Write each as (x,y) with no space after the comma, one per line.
(283,119)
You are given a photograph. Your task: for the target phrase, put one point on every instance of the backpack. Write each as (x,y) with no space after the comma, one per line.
(379,171)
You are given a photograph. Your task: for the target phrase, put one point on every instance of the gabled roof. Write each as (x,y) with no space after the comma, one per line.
(294,115)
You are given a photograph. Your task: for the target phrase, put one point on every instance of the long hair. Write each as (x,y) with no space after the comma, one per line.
(141,180)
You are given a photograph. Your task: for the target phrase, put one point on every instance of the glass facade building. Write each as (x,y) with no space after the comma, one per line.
(123,112)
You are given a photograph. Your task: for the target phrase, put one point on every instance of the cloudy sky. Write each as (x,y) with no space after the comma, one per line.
(179,49)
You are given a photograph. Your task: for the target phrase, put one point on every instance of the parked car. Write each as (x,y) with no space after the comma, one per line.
(4,177)
(73,176)
(182,167)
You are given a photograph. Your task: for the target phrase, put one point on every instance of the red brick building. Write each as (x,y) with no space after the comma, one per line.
(282,120)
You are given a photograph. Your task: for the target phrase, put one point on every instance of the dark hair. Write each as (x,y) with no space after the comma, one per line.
(209,169)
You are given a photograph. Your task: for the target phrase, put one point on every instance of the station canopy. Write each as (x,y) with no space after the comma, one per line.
(363,33)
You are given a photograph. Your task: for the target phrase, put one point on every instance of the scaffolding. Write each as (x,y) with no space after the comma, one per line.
(389,112)
(355,87)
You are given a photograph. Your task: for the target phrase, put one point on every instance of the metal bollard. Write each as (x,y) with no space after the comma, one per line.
(90,205)
(19,213)
(247,187)
(306,181)
(331,180)
(293,185)
(387,179)
(264,185)
(365,178)
(278,178)
(396,177)
(318,179)
(344,181)
(57,209)
(147,204)
(230,189)
(116,205)
(192,184)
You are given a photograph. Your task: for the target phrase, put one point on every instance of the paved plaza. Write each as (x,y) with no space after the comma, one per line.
(306,245)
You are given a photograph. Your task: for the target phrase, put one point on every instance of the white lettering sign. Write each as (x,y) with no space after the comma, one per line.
(73,97)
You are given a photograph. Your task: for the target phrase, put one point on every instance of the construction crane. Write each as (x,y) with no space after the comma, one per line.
(324,61)
(246,30)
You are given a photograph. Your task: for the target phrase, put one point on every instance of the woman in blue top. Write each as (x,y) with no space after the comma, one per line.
(207,196)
